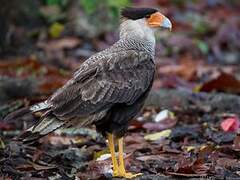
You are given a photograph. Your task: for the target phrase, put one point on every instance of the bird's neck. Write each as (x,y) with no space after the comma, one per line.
(138,35)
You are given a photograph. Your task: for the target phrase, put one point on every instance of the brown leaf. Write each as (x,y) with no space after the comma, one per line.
(151,157)
(33,166)
(135,125)
(25,167)
(162,125)
(223,83)
(200,168)
(185,174)
(39,167)
(184,165)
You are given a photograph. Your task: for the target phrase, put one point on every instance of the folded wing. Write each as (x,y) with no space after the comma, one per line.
(101,82)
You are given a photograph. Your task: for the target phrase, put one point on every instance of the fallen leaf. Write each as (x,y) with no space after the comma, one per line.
(158,135)
(164,114)
(2,144)
(103,157)
(150,157)
(230,124)
(135,124)
(186,175)
(39,167)
(162,125)
(190,148)
(223,83)
(166,124)
(25,167)
(98,154)
(200,167)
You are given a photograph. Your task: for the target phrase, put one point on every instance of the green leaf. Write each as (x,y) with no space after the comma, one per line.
(56,29)
(53,2)
(115,6)
(118,3)
(89,6)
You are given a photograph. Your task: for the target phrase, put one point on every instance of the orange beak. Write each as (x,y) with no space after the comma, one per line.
(159,20)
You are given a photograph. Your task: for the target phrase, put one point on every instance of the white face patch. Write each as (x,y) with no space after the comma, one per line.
(138,29)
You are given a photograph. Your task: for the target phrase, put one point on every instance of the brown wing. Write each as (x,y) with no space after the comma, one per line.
(102,81)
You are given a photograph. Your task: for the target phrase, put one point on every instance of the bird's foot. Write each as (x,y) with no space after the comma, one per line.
(124,174)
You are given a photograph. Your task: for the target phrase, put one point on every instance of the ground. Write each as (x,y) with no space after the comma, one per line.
(189,127)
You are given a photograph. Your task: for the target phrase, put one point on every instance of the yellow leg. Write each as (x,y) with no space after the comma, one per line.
(112,151)
(121,170)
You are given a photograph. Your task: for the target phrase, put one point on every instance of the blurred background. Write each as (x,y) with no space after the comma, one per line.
(42,42)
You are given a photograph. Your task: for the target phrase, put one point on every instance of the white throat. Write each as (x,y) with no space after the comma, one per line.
(137,29)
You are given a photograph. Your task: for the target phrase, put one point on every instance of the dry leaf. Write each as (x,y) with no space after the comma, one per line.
(223,83)
(158,135)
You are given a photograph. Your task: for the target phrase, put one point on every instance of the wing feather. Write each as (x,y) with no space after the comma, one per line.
(101,82)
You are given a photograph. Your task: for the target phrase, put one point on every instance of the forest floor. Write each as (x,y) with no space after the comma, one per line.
(189,127)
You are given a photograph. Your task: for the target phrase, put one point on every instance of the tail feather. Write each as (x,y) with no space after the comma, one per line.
(47,125)
(39,107)
(26,110)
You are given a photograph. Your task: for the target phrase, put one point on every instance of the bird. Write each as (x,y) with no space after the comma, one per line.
(108,89)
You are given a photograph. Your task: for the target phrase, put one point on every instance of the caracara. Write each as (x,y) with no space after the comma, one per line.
(109,88)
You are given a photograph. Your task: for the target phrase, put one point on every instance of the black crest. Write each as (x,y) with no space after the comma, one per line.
(137,13)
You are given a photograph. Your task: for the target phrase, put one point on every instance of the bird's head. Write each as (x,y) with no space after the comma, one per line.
(142,22)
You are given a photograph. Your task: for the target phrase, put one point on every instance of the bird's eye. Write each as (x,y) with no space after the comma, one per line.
(147,16)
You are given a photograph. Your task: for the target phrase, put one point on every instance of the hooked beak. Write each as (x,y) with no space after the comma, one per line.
(159,20)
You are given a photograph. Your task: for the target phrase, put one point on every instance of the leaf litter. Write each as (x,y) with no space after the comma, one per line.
(200,55)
